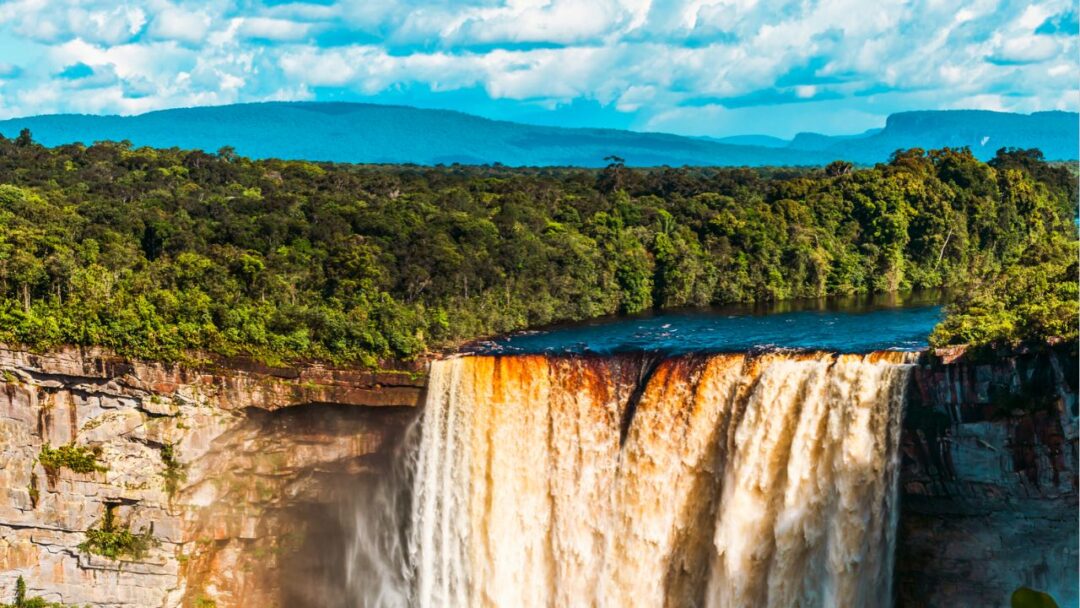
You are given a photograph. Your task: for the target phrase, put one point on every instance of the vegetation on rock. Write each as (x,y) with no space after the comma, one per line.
(1025,597)
(75,458)
(33,491)
(21,601)
(116,541)
(174,473)
(160,253)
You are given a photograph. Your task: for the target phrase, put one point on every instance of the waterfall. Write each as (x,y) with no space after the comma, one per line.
(720,480)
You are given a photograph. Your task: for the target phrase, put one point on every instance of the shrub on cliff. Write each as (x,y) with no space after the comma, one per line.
(75,458)
(1025,597)
(116,541)
(174,472)
(21,601)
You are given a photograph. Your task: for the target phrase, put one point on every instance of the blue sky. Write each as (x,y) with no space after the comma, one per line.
(695,67)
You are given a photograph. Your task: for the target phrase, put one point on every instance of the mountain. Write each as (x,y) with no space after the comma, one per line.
(1055,133)
(818,142)
(765,141)
(368,133)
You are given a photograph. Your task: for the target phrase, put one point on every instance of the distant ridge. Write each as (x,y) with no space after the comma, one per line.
(1055,133)
(368,133)
(765,141)
(817,141)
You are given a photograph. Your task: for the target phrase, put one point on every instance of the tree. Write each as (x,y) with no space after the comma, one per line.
(25,139)
(227,154)
(838,168)
(611,177)
(157,253)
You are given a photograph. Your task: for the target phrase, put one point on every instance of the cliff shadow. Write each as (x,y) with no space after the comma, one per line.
(287,487)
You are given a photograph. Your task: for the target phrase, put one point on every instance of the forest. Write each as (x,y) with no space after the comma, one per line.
(169,253)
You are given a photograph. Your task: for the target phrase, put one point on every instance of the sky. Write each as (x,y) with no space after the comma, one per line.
(693,67)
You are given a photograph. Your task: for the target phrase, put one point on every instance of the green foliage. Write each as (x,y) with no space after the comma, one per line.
(73,457)
(1025,597)
(174,473)
(1031,293)
(21,601)
(165,254)
(116,541)
(35,493)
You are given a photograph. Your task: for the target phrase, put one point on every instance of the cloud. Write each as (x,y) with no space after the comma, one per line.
(99,22)
(172,23)
(693,66)
(267,28)
(1025,49)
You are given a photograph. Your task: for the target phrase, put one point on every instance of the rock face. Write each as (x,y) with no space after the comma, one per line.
(257,453)
(989,480)
(267,464)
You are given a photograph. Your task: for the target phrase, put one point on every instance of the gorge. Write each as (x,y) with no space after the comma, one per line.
(541,478)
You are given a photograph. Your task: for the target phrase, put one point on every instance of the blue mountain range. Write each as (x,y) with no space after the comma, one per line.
(368,133)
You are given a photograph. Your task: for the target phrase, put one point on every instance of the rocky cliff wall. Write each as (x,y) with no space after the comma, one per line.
(230,465)
(267,461)
(989,480)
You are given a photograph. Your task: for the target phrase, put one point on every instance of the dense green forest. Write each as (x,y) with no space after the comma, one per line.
(159,253)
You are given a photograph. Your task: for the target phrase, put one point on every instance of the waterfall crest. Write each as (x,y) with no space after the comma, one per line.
(740,480)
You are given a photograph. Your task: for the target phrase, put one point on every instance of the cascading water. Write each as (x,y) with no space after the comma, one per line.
(377,570)
(719,480)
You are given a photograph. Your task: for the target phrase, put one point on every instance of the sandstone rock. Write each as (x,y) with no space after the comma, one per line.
(989,480)
(247,477)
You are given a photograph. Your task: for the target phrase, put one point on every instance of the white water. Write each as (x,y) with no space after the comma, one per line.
(741,481)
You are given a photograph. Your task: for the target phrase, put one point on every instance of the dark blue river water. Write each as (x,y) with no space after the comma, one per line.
(833,325)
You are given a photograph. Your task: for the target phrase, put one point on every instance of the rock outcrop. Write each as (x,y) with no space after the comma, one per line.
(223,465)
(989,480)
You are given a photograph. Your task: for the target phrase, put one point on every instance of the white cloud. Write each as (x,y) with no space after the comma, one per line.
(312,68)
(273,29)
(558,22)
(695,66)
(181,25)
(1026,49)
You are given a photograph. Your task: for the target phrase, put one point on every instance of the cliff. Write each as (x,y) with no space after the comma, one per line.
(247,476)
(231,466)
(989,480)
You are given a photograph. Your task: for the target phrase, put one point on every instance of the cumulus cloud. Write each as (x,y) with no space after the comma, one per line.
(1025,49)
(172,23)
(273,29)
(692,66)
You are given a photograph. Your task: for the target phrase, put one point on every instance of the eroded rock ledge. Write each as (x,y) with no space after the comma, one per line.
(227,383)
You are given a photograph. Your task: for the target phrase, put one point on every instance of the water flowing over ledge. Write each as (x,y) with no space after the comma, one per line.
(715,480)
